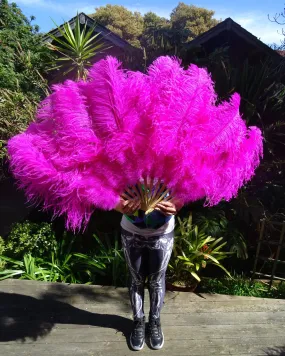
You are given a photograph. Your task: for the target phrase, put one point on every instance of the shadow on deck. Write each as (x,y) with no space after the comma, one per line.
(58,319)
(25,316)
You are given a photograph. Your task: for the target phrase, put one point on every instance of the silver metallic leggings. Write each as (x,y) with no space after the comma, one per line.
(147,257)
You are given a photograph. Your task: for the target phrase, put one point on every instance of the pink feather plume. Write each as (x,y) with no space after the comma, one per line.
(91,140)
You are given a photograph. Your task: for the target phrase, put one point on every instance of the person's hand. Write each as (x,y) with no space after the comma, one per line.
(169,208)
(128,207)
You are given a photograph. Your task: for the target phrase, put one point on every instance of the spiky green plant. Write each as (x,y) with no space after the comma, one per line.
(193,250)
(75,48)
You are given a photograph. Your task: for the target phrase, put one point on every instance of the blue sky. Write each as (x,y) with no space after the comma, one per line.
(251,14)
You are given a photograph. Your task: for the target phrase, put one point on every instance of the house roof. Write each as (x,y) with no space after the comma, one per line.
(282,53)
(230,25)
(98,28)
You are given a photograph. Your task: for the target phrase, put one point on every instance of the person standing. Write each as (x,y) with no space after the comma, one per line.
(147,242)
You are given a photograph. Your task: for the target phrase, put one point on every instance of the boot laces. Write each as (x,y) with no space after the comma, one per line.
(138,328)
(155,328)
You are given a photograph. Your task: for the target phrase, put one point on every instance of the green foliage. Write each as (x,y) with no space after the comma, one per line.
(61,264)
(120,20)
(260,83)
(154,33)
(16,112)
(2,248)
(155,38)
(75,49)
(31,251)
(112,254)
(22,53)
(37,239)
(2,245)
(192,20)
(193,251)
(73,267)
(29,268)
(238,285)
(215,223)
(23,62)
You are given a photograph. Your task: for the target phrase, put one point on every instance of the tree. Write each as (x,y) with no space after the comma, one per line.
(125,23)
(191,20)
(280,20)
(156,34)
(22,53)
(23,62)
(76,49)
(151,20)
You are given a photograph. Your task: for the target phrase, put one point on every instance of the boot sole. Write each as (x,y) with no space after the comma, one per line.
(136,348)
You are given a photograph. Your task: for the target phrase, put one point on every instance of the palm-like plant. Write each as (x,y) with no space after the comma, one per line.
(76,49)
(214,222)
(194,250)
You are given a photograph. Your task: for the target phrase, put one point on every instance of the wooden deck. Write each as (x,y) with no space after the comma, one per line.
(52,319)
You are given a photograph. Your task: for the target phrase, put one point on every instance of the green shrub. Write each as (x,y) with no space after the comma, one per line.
(24,60)
(2,248)
(37,239)
(241,286)
(109,252)
(60,264)
(32,252)
(214,222)
(2,245)
(194,251)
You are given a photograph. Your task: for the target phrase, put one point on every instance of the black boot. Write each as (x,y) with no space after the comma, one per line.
(138,334)
(156,337)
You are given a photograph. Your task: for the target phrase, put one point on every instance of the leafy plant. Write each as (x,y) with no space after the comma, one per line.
(238,285)
(214,223)
(193,251)
(2,248)
(27,269)
(61,265)
(22,52)
(37,239)
(23,64)
(2,245)
(76,49)
(73,267)
(112,255)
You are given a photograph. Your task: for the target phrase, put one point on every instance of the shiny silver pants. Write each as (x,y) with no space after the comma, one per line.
(147,259)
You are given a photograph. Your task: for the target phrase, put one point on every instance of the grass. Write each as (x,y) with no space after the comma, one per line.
(241,286)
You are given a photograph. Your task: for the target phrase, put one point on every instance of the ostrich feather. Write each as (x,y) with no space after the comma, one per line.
(91,141)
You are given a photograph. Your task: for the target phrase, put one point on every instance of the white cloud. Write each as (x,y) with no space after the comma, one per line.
(29,2)
(245,21)
(256,23)
(88,9)
(260,26)
(68,10)
(46,4)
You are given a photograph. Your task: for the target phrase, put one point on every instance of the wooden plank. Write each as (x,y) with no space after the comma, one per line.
(77,320)
(220,332)
(76,294)
(209,347)
(16,300)
(73,318)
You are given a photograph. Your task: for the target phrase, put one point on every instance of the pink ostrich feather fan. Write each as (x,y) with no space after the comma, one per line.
(91,140)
